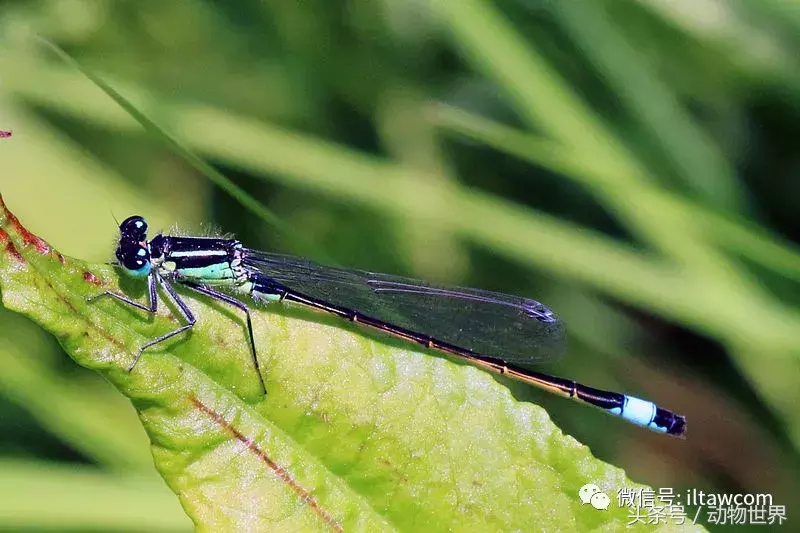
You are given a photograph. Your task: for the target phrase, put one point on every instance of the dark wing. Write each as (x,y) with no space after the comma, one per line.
(514,329)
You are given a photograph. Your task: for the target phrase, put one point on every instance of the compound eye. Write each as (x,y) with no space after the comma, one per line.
(133,228)
(134,258)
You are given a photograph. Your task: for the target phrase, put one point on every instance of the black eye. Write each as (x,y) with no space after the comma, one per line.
(133,257)
(133,228)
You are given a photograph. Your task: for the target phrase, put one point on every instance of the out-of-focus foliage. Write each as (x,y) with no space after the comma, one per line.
(630,163)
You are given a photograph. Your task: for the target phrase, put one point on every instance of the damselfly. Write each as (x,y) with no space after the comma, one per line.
(500,333)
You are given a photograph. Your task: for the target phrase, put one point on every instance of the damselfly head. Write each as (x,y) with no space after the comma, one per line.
(132,251)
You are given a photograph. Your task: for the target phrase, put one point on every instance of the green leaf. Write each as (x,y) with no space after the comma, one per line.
(356,432)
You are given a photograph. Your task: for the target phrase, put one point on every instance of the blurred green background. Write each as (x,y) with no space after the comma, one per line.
(631,163)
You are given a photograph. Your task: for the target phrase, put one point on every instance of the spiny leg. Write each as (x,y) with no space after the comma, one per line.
(236,303)
(152,279)
(187,314)
(151,289)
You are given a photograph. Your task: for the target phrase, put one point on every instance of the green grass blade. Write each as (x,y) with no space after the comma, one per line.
(757,244)
(543,99)
(219,179)
(356,433)
(492,43)
(701,165)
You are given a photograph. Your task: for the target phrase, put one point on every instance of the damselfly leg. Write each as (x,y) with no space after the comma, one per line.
(236,303)
(153,280)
